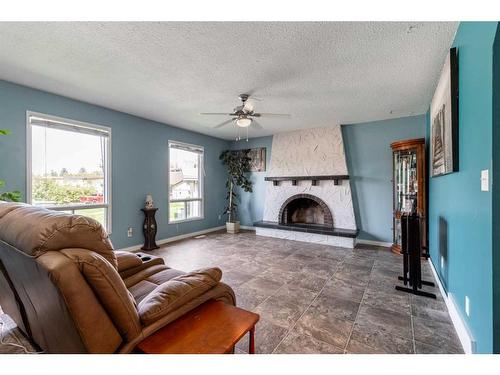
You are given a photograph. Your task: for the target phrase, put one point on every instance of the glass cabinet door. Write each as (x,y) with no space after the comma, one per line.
(405,181)
(405,187)
(397,231)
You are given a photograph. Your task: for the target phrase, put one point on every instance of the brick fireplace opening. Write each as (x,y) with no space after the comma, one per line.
(305,209)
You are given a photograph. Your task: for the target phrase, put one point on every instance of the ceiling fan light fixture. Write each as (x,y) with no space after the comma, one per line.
(244,122)
(244,115)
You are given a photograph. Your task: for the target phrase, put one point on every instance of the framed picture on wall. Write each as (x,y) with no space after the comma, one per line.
(258,162)
(444,119)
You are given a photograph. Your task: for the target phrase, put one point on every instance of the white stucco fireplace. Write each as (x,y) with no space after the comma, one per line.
(308,196)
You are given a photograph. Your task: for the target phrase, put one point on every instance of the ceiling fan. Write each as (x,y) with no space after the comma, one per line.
(244,116)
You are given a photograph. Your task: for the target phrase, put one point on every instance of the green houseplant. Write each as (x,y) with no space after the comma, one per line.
(12,196)
(237,163)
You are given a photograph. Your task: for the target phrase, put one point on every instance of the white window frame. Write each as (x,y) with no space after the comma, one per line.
(201,179)
(107,167)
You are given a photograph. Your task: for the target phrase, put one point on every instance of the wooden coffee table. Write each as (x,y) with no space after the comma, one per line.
(212,328)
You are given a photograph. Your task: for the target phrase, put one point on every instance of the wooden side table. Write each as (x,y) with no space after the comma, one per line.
(149,229)
(212,328)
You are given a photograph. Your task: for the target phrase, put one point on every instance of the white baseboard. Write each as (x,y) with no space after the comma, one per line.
(247,227)
(175,238)
(374,243)
(466,339)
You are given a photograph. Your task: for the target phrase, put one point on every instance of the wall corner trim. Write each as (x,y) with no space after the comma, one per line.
(247,227)
(373,243)
(466,339)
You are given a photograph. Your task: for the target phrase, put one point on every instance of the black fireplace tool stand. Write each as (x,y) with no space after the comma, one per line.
(412,253)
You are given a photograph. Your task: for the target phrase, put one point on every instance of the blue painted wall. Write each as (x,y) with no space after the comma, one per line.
(457,197)
(251,205)
(139,157)
(370,177)
(496,193)
(369,162)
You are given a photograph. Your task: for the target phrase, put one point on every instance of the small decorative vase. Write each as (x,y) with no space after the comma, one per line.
(149,202)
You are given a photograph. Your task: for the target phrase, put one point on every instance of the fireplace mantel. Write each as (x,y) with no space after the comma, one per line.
(314,179)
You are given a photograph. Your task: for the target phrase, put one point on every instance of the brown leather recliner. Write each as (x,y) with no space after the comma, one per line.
(70,292)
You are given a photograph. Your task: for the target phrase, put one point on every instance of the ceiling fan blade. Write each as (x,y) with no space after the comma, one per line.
(271,115)
(217,114)
(256,125)
(248,107)
(223,123)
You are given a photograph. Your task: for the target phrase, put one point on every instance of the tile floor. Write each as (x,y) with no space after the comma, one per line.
(321,299)
(314,298)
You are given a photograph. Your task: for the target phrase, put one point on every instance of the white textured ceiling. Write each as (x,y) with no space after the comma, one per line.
(322,73)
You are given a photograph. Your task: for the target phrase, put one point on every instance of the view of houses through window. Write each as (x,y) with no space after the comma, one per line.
(185,182)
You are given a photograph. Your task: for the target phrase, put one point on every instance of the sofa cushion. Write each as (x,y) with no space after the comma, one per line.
(176,292)
(109,289)
(148,283)
(144,274)
(95,326)
(35,230)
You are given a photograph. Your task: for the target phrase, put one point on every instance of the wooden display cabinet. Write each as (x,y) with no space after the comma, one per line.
(409,188)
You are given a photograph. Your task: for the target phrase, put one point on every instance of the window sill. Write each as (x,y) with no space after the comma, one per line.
(186,220)
(70,207)
(82,207)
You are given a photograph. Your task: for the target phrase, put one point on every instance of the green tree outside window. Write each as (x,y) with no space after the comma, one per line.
(10,196)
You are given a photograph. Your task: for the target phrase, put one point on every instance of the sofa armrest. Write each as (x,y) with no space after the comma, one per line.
(133,263)
(176,292)
(127,260)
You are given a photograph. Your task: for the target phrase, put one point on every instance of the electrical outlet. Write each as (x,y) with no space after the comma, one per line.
(442,261)
(467,305)
(129,232)
(485,180)
(220,217)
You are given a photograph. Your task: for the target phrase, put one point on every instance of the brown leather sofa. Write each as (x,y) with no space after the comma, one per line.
(70,292)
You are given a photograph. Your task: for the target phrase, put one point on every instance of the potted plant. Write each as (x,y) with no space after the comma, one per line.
(237,163)
(12,196)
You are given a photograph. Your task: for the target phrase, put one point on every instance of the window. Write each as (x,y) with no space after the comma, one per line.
(69,166)
(185,182)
